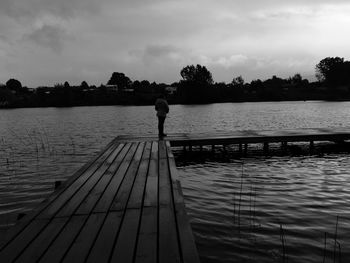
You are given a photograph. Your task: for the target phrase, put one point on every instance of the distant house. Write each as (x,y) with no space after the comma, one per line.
(112,87)
(88,90)
(343,88)
(128,90)
(4,103)
(171,90)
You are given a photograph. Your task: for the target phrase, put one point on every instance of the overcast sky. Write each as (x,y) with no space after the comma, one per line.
(43,42)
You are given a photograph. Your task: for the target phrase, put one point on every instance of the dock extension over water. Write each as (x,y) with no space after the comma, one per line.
(245,137)
(124,206)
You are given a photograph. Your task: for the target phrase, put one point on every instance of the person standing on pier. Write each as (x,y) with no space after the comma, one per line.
(162,109)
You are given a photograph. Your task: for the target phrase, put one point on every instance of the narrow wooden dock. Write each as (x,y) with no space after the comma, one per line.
(124,206)
(246,137)
(249,136)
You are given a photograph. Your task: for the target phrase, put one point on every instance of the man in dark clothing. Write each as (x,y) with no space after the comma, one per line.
(162,109)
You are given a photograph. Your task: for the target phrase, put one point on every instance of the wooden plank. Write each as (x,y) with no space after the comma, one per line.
(147,243)
(72,205)
(112,189)
(126,242)
(168,237)
(136,197)
(68,192)
(79,250)
(187,243)
(24,222)
(39,245)
(251,136)
(147,248)
(122,197)
(151,191)
(135,180)
(90,201)
(165,195)
(15,248)
(169,250)
(102,248)
(60,246)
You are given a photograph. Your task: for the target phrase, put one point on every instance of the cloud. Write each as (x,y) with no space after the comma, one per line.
(154,39)
(32,8)
(48,36)
(158,53)
(234,60)
(3,38)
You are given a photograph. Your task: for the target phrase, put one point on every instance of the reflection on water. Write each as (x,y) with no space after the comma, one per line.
(232,216)
(242,210)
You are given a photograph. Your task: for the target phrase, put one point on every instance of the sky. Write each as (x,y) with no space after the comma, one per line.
(44,42)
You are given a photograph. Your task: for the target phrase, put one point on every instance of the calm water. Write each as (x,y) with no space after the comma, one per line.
(240,210)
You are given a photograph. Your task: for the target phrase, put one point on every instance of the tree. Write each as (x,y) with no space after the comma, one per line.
(145,83)
(296,79)
(198,74)
(196,86)
(238,81)
(120,80)
(14,84)
(327,68)
(84,85)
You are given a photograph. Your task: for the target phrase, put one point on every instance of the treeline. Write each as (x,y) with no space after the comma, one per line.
(196,86)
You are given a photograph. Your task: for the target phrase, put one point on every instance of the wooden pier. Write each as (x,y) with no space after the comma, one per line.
(245,137)
(127,204)
(124,206)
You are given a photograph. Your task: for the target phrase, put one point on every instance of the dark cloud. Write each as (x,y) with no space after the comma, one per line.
(32,8)
(48,36)
(154,39)
(3,38)
(160,51)
(155,53)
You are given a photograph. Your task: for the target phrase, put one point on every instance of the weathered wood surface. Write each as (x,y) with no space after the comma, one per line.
(124,206)
(248,136)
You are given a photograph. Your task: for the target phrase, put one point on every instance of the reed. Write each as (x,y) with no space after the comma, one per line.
(234,207)
(335,241)
(325,247)
(240,199)
(72,143)
(284,245)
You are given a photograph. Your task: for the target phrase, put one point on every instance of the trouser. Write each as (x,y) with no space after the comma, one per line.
(161,125)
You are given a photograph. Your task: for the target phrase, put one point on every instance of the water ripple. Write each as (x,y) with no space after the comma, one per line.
(237,212)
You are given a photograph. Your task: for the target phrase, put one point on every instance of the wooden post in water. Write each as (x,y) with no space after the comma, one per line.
(284,146)
(20,216)
(57,184)
(245,149)
(266,148)
(240,148)
(312,146)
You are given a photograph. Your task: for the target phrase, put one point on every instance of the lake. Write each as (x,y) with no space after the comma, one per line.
(241,210)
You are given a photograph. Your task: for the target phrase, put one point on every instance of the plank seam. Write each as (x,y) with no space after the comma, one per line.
(91,212)
(30,217)
(173,207)
(122,219)
(49,220)
(142,203)
(72,215)
(115,239)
